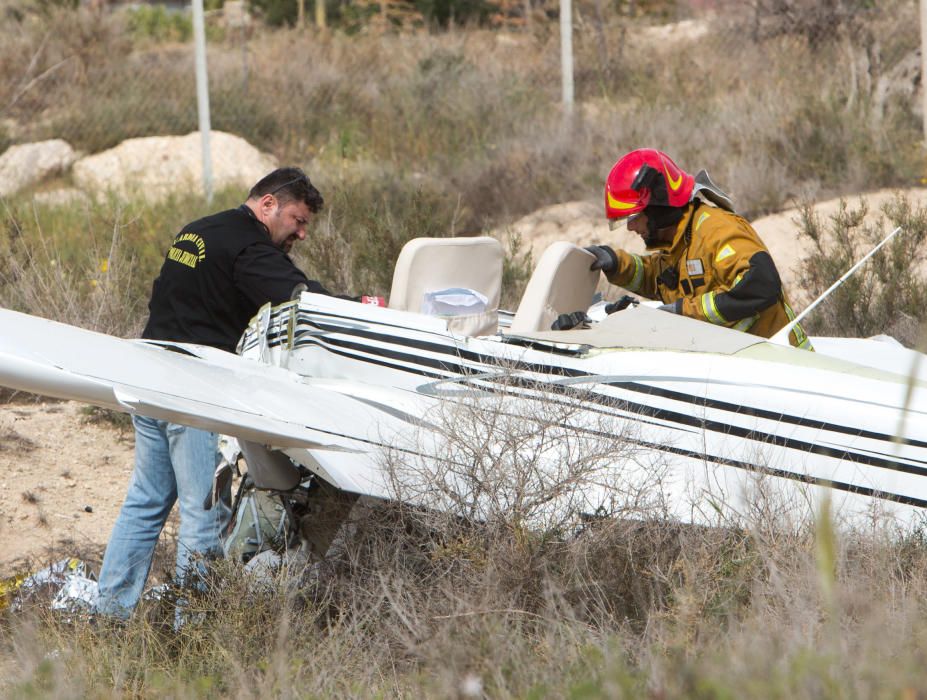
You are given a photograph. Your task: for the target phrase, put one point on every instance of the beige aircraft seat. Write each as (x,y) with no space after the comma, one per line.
(561,283)
(433,264)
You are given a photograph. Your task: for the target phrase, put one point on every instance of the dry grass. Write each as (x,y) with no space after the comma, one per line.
(626,609)
(516,603)
(474,114)
(442,134)
(451,133)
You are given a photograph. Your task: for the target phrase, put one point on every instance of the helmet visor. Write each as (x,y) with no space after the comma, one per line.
(613,224)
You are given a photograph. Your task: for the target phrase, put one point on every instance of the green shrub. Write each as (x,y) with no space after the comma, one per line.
(275,13)
(350,16)
(889,293)
(444,13)
(158,23)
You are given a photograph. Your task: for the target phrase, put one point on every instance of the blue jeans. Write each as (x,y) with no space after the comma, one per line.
(172,463)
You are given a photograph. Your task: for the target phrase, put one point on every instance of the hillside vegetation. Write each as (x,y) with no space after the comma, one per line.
(443,129)
(449,132)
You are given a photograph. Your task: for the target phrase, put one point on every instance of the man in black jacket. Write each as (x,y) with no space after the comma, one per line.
(217,273)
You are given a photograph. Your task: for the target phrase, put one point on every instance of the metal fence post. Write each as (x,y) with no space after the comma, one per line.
(566,52)
(924,65)
(202,93)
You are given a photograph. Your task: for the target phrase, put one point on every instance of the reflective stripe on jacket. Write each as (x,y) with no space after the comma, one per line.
(722,273)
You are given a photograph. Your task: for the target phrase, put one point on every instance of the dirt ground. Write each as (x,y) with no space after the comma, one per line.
(62,479)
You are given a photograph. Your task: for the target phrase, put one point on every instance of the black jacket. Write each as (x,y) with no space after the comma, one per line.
(219,271)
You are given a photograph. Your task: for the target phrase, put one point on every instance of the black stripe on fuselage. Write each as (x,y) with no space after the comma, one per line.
(704,402)
(700,456)
(671,416)
(760,413)
(640,412)
(875,459)
(429,346)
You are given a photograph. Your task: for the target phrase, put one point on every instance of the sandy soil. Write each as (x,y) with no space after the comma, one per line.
(62,479)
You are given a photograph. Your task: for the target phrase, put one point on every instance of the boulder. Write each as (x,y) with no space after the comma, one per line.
(157,166)
(61,197)
(27,164)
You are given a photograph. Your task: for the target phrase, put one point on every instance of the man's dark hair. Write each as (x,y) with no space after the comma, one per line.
(288,185)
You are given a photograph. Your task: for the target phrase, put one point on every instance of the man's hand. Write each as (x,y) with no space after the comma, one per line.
(674,307)
(565,322)
(605,259)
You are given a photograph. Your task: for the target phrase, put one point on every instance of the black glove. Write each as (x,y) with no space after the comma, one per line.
(620,305)
(605,259)
(565,322)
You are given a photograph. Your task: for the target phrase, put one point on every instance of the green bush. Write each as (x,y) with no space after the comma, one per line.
(158,23)
(443,13)
(352,17)
(275,13)
(889,293)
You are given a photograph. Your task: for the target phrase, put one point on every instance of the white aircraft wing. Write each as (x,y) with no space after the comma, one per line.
(202,387)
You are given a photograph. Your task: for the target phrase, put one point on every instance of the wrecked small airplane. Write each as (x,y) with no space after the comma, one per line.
(326,393)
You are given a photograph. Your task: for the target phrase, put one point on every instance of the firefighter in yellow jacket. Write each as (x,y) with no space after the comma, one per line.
(707,262)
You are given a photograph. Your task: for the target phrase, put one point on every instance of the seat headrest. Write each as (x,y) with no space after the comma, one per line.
(561,283)
(431,264)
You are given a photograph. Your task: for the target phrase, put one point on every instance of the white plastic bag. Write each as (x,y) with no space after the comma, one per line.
(455,301)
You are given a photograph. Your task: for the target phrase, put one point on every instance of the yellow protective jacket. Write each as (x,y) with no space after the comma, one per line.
(716,269)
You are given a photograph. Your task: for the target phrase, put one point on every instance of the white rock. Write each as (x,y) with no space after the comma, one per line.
(668,35)
(156,166)
(26,164)
(63,196)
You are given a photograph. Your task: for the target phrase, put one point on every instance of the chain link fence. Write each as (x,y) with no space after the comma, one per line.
(776,95)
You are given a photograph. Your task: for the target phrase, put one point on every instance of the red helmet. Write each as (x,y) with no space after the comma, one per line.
(644,177)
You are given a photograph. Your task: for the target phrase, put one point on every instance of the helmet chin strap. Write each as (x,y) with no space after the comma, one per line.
(659,218)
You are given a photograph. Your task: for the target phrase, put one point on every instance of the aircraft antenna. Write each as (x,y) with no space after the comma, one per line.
(782,337)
